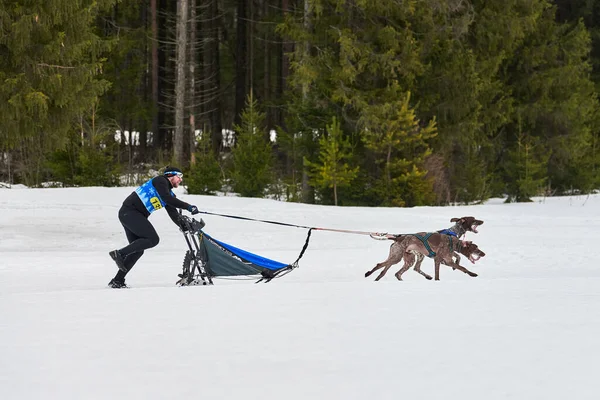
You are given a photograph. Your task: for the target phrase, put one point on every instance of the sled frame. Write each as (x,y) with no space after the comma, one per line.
(194,272)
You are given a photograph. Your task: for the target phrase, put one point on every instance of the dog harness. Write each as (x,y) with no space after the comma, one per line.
(448,232)
(424,239)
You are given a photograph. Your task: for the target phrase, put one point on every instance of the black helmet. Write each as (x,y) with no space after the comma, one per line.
(172,171)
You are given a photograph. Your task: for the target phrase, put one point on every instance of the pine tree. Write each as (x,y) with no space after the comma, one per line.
(252,155)
(346,53)
(205,174)
(449,89)
(332,170)
(50,60)
(556,102)
(399,144)
(526,171)
(128,101)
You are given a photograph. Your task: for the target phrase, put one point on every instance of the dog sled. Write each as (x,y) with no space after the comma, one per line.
(208,258)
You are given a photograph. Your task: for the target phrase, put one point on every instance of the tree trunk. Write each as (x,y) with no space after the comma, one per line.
(215,121)
(267,71)
(182,15)
(308,193)
(241,60)
(154,68)
(284,67)
(167,12)
(335,194)
(192,91)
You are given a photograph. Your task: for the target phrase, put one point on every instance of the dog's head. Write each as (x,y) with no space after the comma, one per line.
(467,224)
(471,251)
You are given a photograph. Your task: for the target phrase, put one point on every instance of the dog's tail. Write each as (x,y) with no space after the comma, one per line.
(384,236)
(398,237)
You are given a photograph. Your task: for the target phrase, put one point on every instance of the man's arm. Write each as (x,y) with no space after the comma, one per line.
(162,187)
(172,211)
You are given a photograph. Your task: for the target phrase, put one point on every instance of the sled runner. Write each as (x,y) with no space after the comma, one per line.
(208,257)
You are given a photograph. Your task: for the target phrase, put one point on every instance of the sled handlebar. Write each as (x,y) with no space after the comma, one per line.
(190,224)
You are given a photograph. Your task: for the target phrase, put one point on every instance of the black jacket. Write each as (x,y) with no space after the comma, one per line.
(163,187)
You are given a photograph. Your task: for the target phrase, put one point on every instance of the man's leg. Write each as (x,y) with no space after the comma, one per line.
(140,234)
(130,260)
(139,231)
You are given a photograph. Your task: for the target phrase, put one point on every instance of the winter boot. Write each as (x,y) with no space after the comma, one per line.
(115,284)
(118,259)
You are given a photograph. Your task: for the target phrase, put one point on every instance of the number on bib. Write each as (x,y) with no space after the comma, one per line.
(156,203)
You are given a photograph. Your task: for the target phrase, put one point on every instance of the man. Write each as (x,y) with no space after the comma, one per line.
(137,207)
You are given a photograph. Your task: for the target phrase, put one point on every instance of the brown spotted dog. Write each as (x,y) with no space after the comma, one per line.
(440,247)
(470,249)
(462,225)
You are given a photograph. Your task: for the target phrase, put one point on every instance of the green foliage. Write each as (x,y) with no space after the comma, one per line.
(332,170)
(95,167)
(471,181)
(87,164)
(50,76)
(50,59)
(299,142)
(252,155)
(126,66)
(399,145)
(510,87)
(526,173)
(62,164)
(348,55)
(205,175)
(557,104)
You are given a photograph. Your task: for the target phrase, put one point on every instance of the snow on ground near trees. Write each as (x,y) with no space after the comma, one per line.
(527,328)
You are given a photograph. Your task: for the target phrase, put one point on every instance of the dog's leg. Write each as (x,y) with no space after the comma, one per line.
(463,269)
(396,254)
(381,264)
(437,268)
(382,273)
(409,259)
(420,258)
(456,259)
(396,251)
(368,273)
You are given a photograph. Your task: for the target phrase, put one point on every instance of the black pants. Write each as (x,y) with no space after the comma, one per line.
(140,234)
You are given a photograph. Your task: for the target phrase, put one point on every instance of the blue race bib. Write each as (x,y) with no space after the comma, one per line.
(150,197)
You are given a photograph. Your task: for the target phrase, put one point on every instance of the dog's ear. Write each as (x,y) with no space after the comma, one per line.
(454,219)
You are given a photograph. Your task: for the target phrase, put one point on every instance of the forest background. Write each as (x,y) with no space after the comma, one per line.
(346,102)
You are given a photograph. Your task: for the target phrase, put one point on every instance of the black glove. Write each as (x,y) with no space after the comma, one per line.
(193,210)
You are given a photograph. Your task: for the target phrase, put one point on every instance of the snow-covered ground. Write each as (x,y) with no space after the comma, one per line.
(527,328)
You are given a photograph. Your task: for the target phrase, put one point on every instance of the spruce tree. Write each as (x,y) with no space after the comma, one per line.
(393,133)
(332,170)
(205,175)
(252,154)
(127,101)
(348,55)
(556,101)
(526,171)
(50,62)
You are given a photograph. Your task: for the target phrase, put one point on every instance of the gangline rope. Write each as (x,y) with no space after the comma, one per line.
(374,235)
